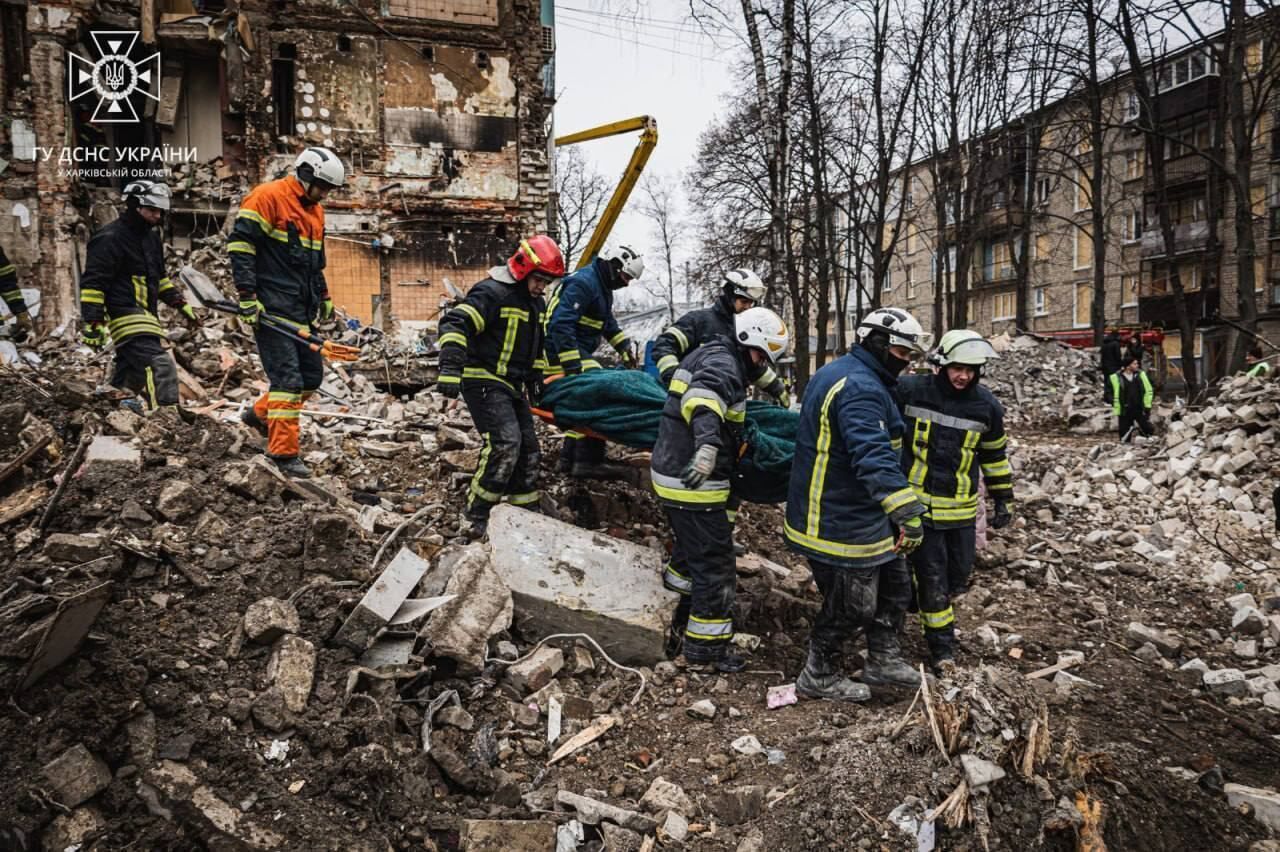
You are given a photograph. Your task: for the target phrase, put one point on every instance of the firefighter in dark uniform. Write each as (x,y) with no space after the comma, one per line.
(851,511)
(579,315)
(123,282)
(12,295)
(489,343)
(277,260)
(951,423)
(699,438)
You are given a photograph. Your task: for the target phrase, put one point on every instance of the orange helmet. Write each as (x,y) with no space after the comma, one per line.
(536,254)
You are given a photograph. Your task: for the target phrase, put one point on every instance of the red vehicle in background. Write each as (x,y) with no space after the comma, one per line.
(1152,340)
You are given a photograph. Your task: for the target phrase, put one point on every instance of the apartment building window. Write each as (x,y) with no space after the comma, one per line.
(1188,140)
(1041,302)
(1187,210)
(913,238)
(886,286)
(1041,247)
(1253,56)
(1082,190)
(1186,69)
(909,276)
(1131,227)
(1134,164)
(1132,106)
(1004,306)
(1128,291)
(1080,315)
(997,261)
(1258,199)
(1189,275)
(1043,188)
(1082,256)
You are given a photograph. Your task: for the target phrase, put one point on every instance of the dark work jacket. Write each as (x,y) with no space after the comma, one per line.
(696,328)
(124,278)
(1110,355)
(946,432)
(706,404)
(9,286)
(493,335)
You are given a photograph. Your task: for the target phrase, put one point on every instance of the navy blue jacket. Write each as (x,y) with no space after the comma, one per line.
(847,482)
(579,314)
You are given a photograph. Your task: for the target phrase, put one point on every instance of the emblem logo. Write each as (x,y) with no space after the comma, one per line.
(120,78)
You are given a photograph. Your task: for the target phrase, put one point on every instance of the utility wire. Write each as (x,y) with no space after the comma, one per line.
(643,23)
(633,41)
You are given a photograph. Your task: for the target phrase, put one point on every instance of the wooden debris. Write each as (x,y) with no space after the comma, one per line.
(583,738)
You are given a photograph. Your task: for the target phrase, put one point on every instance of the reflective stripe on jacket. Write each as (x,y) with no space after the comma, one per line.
(946,432)
(9,290)
(493,335)
(124,279)
(706,404)
(846,479)
(1124,396)
(579,314)
(277,250)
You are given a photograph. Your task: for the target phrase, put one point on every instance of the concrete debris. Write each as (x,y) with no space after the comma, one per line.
(738,805)
(481,607)
(1228,682)
(704,709)
(593,812)
(980,773)
(384,598)
(663,795)
(292,670)
(76,776)
(180,500)
(568,580)
(1166,643)
(76,549)
(64,632)
(1265,803)
(184,792)
(532,674)
(507,835)
(74,830)
(268,619)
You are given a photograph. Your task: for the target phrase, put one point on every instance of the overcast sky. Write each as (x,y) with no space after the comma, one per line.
(611,65)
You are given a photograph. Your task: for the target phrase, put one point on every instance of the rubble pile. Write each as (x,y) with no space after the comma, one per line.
(1045,383)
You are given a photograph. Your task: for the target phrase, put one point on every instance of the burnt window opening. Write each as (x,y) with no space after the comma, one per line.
(364,226)
(13,34)
(482,60)
(448,164)
(500,232)
(344,44)
(282,82)
(428,53)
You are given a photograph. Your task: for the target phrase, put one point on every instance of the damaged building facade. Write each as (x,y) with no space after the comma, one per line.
(441,110)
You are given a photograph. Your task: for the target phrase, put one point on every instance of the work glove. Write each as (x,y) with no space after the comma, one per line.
(449,389)
(1002,515)
(627,355)
(326,310)
(22,326)
(910,536)
(190,313)
(94,334)
(784,398)
(250,309)
(700,467)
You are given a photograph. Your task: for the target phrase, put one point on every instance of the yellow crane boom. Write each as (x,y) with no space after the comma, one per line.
(648,127)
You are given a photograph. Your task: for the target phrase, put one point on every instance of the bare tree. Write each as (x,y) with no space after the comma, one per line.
(660,203)
(581,196)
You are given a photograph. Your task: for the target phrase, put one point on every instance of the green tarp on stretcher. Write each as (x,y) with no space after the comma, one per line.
(626,405)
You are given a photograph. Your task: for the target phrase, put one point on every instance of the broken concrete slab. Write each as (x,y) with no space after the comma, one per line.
(979,773)
(663,795)
(74,830)
(325,546)
(253,479)
(1229,682)
(739,805)
(593,812)
(618,839)
(507,835)
(535,672)
(292,670)
(76,549)
(67,628)
(388,653)
(481,607)
(1264,802)
(76,776)
(1166,643)
(384,598)
(268,619)
(180,500)
(108,456)
(568,580)
(183,791)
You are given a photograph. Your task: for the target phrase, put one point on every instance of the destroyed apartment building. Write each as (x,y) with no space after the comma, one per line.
(440,109)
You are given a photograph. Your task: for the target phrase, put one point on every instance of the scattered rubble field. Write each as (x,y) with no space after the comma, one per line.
(195,653)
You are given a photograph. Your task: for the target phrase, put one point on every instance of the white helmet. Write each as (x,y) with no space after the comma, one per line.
(148,193)
(744,284)
(630,261)
(761,328)
(900,326)
(963,346)
(319,164)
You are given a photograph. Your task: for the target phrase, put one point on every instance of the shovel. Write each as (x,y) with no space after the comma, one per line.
(207,294)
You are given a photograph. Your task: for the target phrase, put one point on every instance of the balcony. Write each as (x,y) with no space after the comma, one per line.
(1192,97)
(1187,238)
(998,273)
(999,218)
(1274,222)
(1161,310)
(1180,171)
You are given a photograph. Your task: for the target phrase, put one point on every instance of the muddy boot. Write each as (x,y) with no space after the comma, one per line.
(820,679)
(675,641)
(945,668)
(709,661)
(887,668)
(293,466)
(250,418)
(473,529)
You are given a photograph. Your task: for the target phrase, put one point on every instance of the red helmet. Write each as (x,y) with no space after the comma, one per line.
(536,254)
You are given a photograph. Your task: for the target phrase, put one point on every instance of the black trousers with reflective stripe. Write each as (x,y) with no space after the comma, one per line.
(942,566)
(856,600)
(509,460)
(704,553)
(143,366)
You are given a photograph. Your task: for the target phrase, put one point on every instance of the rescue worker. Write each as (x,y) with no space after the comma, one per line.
(699,441)
(579,314)
(1135,349)
(123,282)
(1131,398)
(1111,352)
(742,290)
(12,295)
(1254,365)
(851,511)
(489,343)
(950,421)
(277,260)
